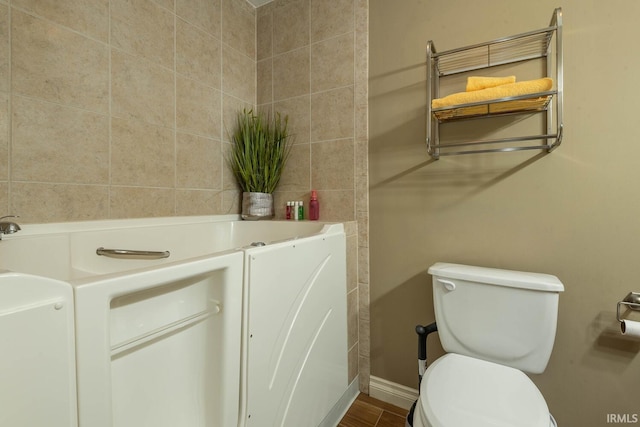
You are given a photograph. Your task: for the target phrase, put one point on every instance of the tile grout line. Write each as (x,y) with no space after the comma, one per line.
(10,202)
(110,113)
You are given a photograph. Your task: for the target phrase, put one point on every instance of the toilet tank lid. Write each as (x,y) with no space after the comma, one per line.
(496,276)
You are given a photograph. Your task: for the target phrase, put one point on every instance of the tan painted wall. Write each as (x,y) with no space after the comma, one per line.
(572,213)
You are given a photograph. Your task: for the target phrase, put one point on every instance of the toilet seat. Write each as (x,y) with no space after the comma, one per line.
(460,391)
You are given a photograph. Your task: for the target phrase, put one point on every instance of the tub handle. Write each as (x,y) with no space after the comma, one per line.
(128,253)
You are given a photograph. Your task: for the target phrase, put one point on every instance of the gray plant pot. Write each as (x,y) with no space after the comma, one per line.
(256,206)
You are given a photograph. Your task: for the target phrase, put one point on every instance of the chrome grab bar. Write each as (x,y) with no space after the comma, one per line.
(128,253)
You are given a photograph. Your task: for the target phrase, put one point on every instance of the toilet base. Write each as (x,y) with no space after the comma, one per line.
(414,420)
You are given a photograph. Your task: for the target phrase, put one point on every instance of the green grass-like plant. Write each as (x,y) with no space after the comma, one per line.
(261,145)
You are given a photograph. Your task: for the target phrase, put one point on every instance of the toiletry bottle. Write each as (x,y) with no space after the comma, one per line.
(300,210)
(314,206)
(295,211)
(288,211)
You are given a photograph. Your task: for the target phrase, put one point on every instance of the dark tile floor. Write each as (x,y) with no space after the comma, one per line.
(369,412)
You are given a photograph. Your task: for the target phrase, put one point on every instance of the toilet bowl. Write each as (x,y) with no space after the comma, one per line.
(495,325)
(461,391)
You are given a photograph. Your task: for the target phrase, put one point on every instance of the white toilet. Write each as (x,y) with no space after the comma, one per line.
(494,324)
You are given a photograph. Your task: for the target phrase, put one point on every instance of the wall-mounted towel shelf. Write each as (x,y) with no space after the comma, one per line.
(539,45)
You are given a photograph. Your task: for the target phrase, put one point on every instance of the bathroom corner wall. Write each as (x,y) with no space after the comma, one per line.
(312,65)
(114,109)
(120,109)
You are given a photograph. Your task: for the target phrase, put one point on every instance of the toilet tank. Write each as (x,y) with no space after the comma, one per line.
(506,317)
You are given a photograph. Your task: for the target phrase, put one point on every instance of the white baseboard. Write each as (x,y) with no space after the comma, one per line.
(396,394)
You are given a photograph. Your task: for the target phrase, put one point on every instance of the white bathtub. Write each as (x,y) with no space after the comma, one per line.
(220,333)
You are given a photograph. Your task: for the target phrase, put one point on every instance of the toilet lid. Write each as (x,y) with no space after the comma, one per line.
(460,391)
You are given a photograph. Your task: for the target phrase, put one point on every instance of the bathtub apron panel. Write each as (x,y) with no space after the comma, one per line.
(37,362)
(297,341)
(162,347)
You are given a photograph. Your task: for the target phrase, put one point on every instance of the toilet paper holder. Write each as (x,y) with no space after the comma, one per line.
(632,301)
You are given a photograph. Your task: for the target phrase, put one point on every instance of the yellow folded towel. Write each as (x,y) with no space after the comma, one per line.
(502,91)
(479,82)
(529,104)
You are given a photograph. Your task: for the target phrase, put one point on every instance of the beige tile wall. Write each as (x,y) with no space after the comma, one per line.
(113,108)
(312,65)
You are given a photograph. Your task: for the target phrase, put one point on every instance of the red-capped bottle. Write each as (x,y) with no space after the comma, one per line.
(314,206)
(287,214)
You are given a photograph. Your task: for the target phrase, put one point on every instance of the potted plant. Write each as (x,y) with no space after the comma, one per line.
(259,151)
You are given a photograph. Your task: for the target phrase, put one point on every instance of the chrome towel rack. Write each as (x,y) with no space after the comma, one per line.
(537,46)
